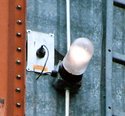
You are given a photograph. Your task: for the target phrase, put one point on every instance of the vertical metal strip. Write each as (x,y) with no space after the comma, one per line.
(109,36)
(20,48)
(16,58)
(10,56)
(3,55)
(103,63)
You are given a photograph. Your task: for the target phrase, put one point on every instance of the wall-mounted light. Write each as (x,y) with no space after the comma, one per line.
(78,57)
(74,64)
(71,69)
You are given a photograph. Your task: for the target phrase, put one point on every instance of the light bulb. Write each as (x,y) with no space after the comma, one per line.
(76,60)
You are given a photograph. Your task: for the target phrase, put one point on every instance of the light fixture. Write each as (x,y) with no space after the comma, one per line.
(78,57)
(70,70)
(74,64)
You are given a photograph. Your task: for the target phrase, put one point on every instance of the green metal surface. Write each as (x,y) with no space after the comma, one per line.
(88,19)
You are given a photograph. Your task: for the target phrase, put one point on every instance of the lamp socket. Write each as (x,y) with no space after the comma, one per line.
(66,80)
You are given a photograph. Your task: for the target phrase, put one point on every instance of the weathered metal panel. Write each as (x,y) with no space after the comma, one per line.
(109,37)
(88,19)
(118,79)
(50,17)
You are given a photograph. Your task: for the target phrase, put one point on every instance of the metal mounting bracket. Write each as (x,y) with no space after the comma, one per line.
(34,42)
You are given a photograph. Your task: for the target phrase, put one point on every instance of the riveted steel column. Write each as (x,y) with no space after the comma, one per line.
(109,35)
(3,55)
(12,60)
(19,60)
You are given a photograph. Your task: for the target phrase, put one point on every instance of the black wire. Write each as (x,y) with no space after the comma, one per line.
(45,63)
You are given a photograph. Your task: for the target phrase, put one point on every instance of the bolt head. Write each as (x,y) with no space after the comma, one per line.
(18,77)
(18,62)
(19,7)
(18,34)
(18,90)
(19,22)
(19,49)
(18,105)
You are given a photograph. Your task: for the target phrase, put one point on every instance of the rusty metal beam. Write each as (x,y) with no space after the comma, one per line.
(3,53)
(12,49)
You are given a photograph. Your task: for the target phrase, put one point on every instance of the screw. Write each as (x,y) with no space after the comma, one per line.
(104,96)
(18,90)
(18,34)
(18,77)
(19,7)
(52,35)
(18,62)
(19,49)
(18,105)
(19,22)
(28,31)
(109,50)
(109,107)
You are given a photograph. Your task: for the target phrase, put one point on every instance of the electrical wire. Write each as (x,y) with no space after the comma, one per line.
(45,62)
(67,98)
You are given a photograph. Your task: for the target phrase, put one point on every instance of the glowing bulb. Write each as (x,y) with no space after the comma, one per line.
(78,57)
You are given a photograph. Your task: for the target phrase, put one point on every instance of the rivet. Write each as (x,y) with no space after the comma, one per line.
(17,90)
(109,107)
(19,7)
(109,50)
(18,34)
(18,62)
(18,77)
(19,22)
(18,49)
(104,96)
(18,105)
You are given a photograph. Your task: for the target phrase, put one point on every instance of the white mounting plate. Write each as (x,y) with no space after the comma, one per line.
(34,42)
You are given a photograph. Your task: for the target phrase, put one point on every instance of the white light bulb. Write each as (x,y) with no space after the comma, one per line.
(78,57)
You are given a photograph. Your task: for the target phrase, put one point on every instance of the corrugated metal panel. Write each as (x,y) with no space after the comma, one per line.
(88,19)
(118,80)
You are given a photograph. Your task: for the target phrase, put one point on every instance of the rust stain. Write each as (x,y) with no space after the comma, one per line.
(39,68)
(2,107)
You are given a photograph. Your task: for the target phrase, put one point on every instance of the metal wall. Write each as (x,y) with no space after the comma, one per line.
(118,77)
(88,19)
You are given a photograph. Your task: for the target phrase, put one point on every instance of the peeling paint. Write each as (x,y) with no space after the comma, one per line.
(2,107)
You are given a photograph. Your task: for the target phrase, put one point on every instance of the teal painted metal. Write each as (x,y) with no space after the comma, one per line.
(88,19)
(103,63)
(118,80)
(109,37)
